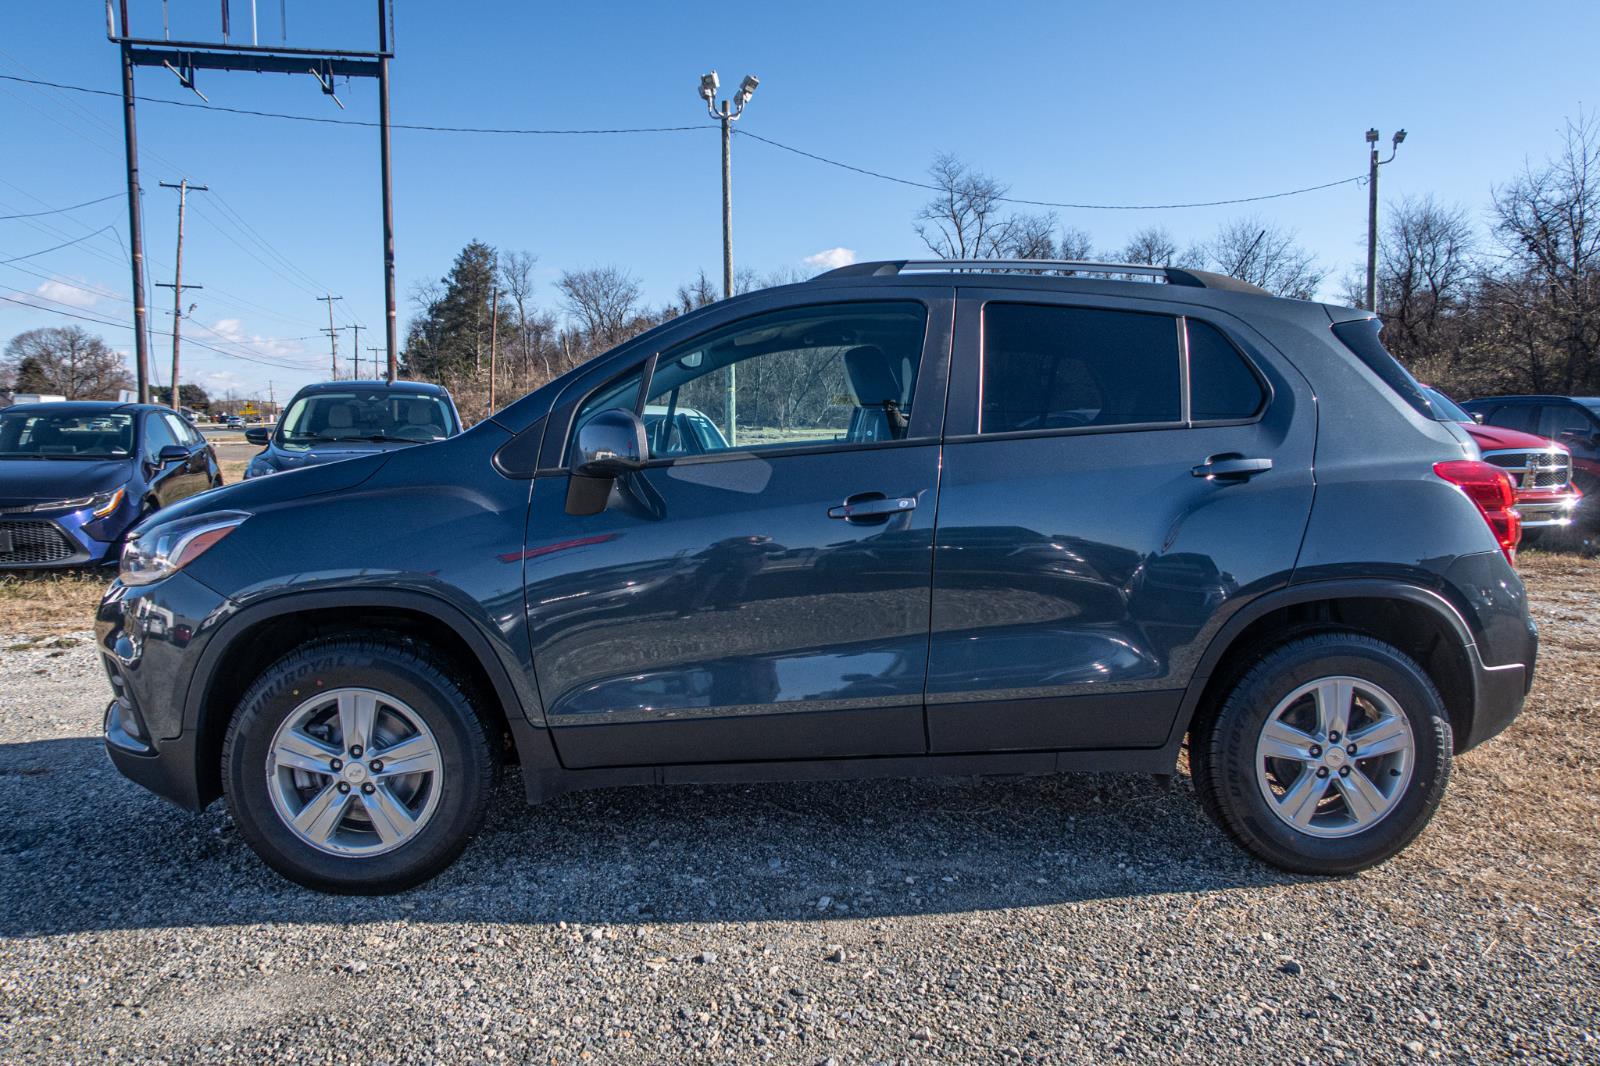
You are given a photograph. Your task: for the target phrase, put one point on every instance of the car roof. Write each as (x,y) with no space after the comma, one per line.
(84,407)
(426,388)
(1537,398)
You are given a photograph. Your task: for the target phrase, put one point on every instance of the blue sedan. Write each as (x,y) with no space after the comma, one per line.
(75,477)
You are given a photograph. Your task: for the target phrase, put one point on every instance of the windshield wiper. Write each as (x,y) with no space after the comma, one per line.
(382,438)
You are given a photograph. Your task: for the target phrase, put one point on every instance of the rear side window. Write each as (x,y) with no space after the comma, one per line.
(1361,337)
(1222,386)
(1064,367)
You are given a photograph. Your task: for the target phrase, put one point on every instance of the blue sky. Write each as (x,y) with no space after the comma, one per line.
(1102,103)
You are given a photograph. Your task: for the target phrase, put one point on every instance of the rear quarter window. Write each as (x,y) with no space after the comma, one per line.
(1360,336)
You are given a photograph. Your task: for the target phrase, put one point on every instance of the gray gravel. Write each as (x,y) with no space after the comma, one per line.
(1074,919)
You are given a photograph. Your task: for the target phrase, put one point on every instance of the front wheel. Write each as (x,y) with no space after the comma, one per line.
(1328,757)
(357,766)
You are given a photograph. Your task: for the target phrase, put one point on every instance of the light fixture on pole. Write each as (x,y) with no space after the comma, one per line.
(1372,209)
(727,113)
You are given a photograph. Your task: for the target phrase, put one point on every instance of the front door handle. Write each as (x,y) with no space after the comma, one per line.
(872,506)
(1231,468)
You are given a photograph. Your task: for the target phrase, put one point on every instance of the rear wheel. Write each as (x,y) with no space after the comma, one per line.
(358,766)
(1328,756)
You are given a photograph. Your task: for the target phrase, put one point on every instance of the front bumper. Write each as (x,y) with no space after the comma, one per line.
(1547,510)
(50,543)
(150,640)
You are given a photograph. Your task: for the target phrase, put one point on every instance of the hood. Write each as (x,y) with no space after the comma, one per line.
(1498,438)
(25,481)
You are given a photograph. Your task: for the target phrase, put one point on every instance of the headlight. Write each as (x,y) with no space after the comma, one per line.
(103,503)
(169,548)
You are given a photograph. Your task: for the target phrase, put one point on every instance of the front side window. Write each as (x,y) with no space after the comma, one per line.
(157,435)
(65,436)
(1518,416)
(366,414)
(841,374)
(1047,367)
(1565,420)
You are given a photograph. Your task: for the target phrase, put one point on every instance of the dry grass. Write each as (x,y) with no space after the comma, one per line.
(46,604)
(1523,812)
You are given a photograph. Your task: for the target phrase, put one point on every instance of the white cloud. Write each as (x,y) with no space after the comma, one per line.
(63,293)
(830,258)
(233,331)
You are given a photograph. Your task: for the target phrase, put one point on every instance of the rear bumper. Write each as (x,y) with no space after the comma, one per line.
(1498,695)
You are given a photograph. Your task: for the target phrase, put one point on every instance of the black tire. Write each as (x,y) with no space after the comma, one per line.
(406,671)
(1223,753)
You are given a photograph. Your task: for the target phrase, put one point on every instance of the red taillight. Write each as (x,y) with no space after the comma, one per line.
(1495,494)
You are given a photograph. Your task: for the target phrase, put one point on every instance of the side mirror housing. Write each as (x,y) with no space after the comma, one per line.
(610,444)
(1477,416)
(172,453)
(258,434)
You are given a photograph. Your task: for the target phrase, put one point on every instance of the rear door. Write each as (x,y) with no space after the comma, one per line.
(1118,475)
(761,589)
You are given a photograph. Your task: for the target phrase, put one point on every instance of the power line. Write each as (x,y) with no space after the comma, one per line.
(54,247)
(59,210)
(1049,203)
(864,171)
(357,121)
(157,332)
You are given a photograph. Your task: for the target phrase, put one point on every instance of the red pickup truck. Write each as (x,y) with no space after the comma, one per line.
(1547,498)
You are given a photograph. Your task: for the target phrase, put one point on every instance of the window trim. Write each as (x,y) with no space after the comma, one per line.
(1185,399)
(646,367)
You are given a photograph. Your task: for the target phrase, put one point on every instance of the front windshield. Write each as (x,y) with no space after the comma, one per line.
(366,414)
(49,435)
(1445,405)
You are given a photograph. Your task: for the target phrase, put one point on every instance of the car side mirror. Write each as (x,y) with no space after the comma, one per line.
(610,444)
(172,453)
(1477,416)
(258,434)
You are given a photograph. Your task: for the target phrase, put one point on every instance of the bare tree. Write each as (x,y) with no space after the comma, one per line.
(604,301)
(1075,243)
(1425,274)
(1030,237)
(963,220)
(67,361)
(1544,299)
(1152,245)
(1263,254)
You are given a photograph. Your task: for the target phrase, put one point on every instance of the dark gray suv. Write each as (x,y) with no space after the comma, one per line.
(905,518)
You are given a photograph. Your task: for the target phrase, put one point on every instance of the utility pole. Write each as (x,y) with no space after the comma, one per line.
(1372,210)
(177,285)
(391,322)
(130,145)
(727,114)
(375,352)
(355,351)
(494,338)
(333,334)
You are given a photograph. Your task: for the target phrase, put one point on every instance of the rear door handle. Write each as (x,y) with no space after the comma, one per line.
(1231,467)
(857,508)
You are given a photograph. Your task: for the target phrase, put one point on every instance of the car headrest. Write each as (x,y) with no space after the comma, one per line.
(340,416)
(873,378)
(421,413)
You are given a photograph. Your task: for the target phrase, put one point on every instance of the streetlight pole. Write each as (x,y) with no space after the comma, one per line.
(728,113)
(1372,210)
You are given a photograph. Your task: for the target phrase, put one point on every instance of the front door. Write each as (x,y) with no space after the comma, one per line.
(761,589)
(1117,474)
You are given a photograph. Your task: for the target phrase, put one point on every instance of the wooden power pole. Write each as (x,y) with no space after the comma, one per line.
(333,336)
(494,334)
(177,286)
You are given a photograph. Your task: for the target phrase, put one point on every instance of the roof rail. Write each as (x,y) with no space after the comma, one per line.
(1201,279)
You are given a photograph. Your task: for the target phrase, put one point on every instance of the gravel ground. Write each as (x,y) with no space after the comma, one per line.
(1070,919)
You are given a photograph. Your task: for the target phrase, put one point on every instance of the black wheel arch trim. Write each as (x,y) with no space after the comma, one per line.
(517,701)
(1312,592)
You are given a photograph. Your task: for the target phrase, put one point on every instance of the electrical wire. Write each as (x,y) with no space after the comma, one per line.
(1049,203)
(59,210)
(54,247)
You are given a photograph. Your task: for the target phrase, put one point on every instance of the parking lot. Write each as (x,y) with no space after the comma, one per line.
(1026,920)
